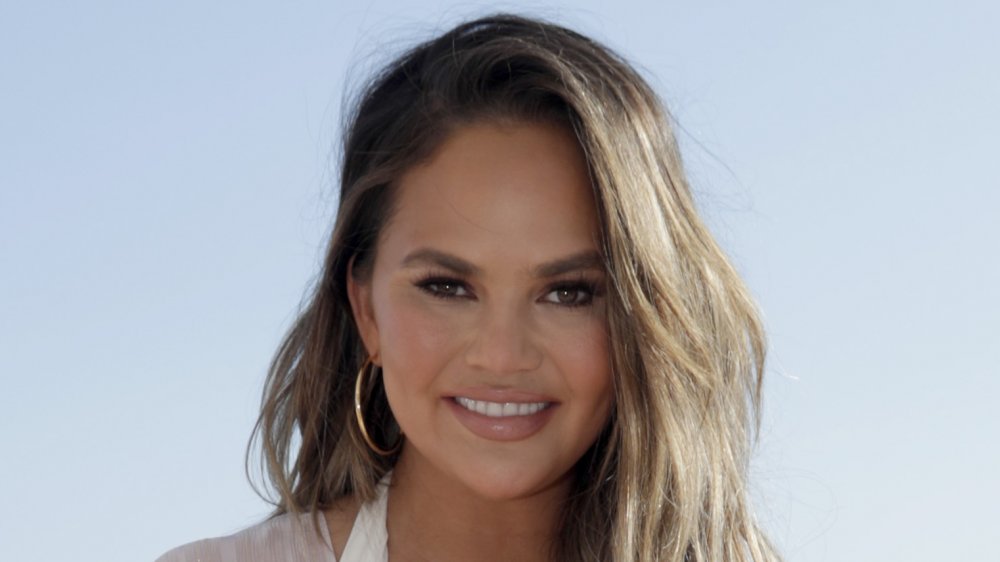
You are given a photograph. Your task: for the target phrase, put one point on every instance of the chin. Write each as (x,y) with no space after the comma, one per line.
(509,483)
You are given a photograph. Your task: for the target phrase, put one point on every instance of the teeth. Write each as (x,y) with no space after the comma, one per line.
(501,410)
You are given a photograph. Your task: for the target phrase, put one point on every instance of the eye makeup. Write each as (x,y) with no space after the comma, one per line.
(570,293)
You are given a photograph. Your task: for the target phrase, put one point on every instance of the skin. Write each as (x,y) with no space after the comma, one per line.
(487,283)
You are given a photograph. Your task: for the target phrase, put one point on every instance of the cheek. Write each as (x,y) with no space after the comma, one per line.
(584,356)
(596,388)
(599,384)
(415,341)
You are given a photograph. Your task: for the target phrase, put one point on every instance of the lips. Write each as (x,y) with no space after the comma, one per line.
(501,415)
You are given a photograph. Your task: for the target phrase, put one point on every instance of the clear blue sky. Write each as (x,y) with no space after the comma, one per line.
(166,184)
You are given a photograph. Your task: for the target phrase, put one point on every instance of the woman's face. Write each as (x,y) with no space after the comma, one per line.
(486,310)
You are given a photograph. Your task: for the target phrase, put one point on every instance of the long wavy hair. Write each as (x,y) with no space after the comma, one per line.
(667,479)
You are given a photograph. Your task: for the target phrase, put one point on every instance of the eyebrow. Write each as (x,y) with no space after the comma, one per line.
(588,259)
(442,259)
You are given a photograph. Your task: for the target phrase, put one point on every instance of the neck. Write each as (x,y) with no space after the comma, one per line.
(431,516)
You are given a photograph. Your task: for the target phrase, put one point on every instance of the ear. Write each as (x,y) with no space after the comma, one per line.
(360,295)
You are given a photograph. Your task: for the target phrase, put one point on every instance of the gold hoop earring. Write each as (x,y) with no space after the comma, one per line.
(361,417)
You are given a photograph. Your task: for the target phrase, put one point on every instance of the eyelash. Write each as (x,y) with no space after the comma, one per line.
(590,290)
(427,285)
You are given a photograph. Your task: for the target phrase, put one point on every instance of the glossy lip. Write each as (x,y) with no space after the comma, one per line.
(510,428)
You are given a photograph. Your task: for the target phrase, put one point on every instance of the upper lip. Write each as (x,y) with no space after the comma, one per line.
(501,395)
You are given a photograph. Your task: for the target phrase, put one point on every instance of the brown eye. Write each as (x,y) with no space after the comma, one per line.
(444,288)
(570,296)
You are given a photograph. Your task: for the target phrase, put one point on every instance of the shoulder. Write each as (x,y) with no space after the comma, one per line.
(282,538)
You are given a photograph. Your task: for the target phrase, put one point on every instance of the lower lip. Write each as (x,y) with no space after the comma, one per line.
(510,428)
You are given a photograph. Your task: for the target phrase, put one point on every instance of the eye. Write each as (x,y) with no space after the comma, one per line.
(443,287)
(580,294)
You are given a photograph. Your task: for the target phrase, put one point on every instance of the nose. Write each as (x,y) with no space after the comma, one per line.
(504,341)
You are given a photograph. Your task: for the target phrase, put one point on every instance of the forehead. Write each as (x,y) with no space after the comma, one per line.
(520,191)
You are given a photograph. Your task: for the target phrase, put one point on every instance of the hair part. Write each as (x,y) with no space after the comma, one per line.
(666,480)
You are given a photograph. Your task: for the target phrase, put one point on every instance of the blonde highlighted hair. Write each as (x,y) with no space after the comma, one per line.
(667,479)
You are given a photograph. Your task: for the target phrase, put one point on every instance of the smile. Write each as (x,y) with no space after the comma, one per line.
(501,409)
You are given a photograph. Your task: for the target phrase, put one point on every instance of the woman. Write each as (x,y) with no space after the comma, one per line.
(525,344)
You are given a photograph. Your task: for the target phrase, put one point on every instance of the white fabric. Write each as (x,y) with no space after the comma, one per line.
(287,538)
(369,539)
